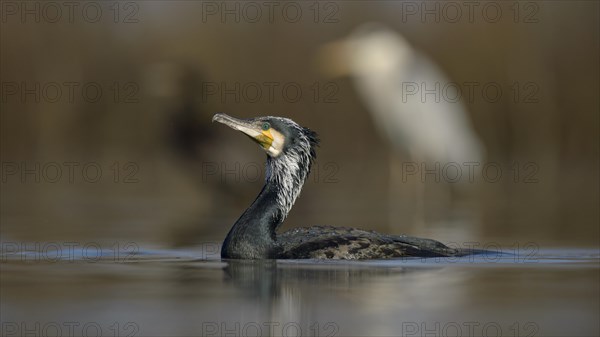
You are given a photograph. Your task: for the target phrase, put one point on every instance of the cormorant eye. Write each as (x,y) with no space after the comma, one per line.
(266,126)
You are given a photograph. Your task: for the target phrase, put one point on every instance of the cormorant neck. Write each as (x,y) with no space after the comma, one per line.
(254,233)
(287,173)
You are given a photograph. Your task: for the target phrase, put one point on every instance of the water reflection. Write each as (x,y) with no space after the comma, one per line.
(272,279)
(176,293)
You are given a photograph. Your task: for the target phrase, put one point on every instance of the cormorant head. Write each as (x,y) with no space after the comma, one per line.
(277,136)
(290,152)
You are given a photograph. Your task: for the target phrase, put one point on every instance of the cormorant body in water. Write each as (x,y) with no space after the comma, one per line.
(290,152)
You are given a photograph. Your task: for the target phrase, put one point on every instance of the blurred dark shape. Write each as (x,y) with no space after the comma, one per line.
(188,137)
(188,131)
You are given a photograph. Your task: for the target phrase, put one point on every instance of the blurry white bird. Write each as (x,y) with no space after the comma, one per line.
(404,92)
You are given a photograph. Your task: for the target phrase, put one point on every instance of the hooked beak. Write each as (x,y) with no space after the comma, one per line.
(248,127)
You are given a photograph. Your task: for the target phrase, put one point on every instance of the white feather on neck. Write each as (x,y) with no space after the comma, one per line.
(289,171)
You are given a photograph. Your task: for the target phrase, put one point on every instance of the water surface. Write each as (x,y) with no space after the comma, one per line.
(190,292)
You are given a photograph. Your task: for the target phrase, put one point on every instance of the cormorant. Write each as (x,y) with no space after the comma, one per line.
(290,152)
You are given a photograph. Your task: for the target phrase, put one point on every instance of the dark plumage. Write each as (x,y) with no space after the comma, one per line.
(327,242)
(290,152)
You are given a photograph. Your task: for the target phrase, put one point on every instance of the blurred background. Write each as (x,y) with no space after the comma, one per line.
(106,118)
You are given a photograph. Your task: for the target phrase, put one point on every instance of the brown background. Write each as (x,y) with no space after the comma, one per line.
(171,51)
